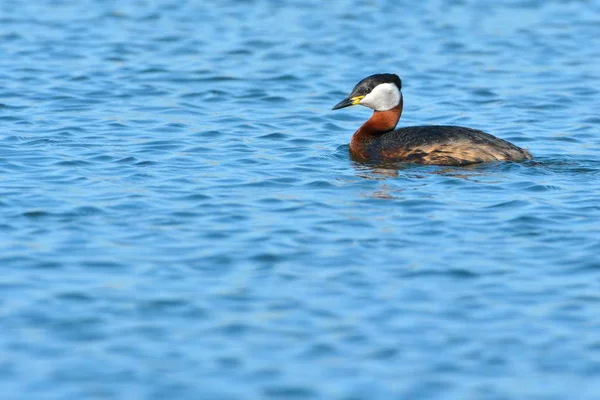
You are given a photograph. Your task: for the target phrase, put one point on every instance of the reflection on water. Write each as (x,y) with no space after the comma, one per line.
(393,169)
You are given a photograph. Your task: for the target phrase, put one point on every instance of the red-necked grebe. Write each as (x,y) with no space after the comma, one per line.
(376,139)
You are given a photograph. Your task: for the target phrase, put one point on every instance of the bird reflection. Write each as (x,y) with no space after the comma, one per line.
(384,169)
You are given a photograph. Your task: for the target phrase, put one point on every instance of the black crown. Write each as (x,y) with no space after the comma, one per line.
(365,86)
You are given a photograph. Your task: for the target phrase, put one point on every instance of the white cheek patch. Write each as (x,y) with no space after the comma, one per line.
(383,97)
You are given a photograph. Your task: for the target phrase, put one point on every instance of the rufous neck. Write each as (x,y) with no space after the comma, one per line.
(382,121)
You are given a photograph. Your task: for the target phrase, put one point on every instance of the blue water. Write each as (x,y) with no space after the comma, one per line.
(180,217)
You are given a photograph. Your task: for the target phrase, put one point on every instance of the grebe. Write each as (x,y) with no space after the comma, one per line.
(376,139)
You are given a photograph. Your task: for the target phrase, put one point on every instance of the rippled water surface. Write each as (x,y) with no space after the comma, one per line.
(180,217)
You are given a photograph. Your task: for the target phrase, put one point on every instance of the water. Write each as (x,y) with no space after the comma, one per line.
(180,217)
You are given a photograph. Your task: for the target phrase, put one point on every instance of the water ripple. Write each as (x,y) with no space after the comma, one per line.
(181,217)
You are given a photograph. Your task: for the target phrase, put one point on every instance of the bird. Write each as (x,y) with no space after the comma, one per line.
(377,139)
